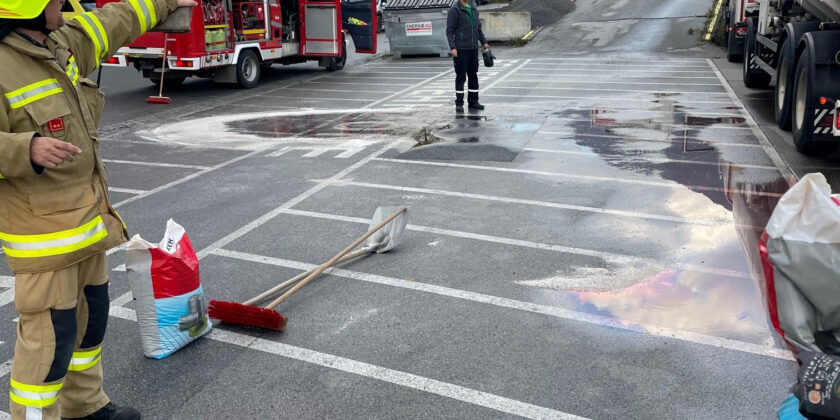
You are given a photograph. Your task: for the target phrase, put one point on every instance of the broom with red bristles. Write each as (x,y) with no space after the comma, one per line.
(267,317)
(160,99)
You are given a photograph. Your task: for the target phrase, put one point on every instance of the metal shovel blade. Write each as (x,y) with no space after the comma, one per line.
(389,236)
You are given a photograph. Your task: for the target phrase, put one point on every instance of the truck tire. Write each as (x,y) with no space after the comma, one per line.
(730,55)
(802,104)
(248,69)
(754,76)
(784,84)
(337,63)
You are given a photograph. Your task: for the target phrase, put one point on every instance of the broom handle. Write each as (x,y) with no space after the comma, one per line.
(334,259)
(292,280)
(165,59)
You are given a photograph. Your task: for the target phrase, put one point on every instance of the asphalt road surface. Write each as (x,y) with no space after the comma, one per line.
(583,248)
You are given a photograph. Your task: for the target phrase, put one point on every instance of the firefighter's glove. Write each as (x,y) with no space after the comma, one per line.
(818,385)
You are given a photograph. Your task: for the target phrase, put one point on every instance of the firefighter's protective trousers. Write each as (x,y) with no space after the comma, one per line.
(63,314)
(466,67)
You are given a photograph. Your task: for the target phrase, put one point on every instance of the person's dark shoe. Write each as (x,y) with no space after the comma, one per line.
(111,412)
(477,106)
(459,109)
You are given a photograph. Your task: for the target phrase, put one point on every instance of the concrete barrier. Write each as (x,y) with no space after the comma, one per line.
(505,26)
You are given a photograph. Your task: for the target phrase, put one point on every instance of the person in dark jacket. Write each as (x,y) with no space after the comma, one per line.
(463,30)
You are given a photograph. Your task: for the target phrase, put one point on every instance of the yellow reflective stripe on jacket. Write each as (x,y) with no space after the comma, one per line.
(58,243)
(145,10)
(96,33)
(31,93)
(73,70)
(84,360)
(1,176)
(34,395)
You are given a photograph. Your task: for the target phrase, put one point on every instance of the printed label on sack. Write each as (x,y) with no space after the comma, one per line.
(418,29)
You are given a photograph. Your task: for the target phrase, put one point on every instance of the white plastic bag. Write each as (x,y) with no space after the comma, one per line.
(800,252)
(165,281)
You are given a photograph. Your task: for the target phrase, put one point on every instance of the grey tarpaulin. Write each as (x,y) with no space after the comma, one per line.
(801,254)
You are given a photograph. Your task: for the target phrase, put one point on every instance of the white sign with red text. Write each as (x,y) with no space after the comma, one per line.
(418,29)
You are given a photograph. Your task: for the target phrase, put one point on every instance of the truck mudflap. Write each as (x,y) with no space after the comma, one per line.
(359,18)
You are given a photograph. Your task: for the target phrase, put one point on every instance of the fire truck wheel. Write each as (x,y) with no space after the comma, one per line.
(337,63)
(248,69)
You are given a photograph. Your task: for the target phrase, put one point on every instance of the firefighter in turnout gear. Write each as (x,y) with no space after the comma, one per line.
(56,221)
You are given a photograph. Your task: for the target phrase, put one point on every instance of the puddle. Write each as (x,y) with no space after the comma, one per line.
(684,295)
(704,121)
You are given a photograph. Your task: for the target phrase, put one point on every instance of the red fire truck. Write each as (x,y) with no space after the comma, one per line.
(231,40)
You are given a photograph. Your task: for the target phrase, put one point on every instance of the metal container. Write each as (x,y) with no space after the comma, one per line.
(417,27)
(177,22)
(825,10)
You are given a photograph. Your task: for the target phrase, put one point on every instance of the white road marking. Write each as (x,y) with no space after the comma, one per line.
(374,83)
(571,136)
(634,124)
(591,77)
(762,138)
(120,268)
(348,149)
(364,76)
(508,74)
(601,82)
(186,179)
(7,297)
(604,99)
(552,311)
(569,57)
(367,370)
(664,92)
(115,249)
(651,159)
(318,187)
(309,89)
(127,191)
(291,203)
(664,184)
(558,70)
(122,299)
(304,99)
(541,106)
(157,164)
(610,257)
(6,368)
(510,200)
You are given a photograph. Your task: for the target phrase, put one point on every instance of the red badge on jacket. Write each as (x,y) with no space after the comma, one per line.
(56,124)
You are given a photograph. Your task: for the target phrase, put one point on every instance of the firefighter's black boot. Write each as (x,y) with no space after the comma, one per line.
(112,412)
(476,106)
(459,109)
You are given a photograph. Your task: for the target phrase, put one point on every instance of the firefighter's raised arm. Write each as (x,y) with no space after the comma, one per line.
(97,35)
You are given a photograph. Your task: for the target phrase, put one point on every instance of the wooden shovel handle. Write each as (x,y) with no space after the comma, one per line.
(292,280)
(334,259)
